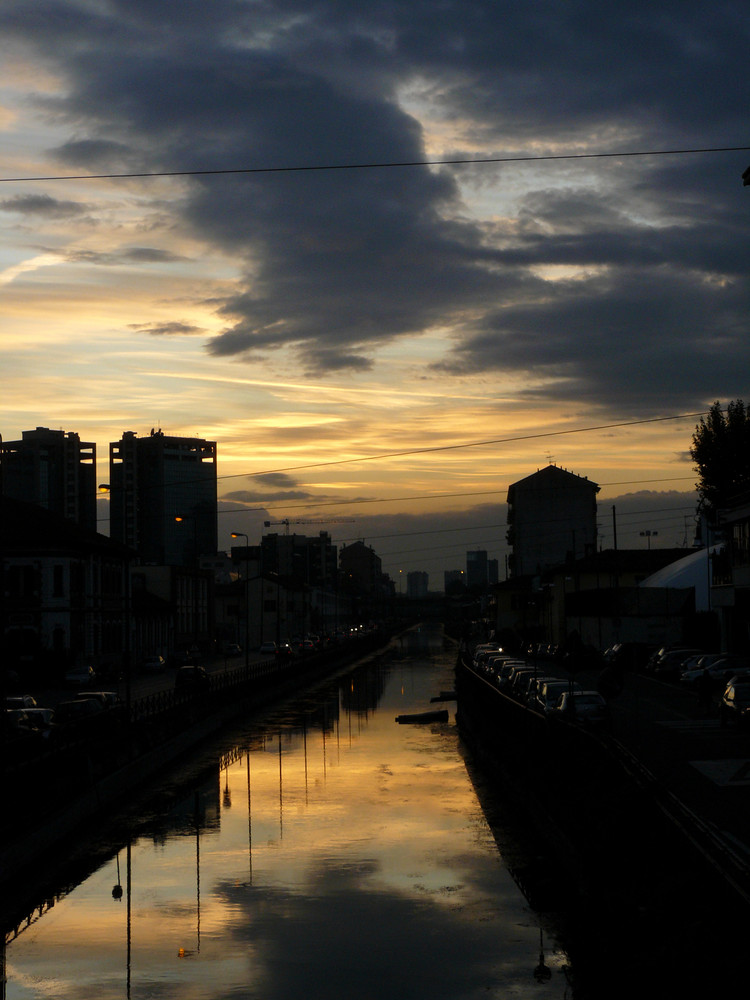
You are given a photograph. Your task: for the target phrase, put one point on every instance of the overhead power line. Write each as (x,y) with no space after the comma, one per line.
(471,444)
(375,165)
(456,447)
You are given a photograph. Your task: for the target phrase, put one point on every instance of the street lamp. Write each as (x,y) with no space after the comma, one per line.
(126,657)
(196,576)
(240,534)
(647,535)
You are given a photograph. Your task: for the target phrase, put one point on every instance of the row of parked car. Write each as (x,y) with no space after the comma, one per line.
(85,712)
(688,665)
(540,690)
(708,674)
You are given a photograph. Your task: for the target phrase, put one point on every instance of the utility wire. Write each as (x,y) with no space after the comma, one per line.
(469,444)
(465,444)
(386,164)
(423,496)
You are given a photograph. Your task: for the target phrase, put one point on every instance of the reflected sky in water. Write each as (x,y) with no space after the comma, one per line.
(337,854)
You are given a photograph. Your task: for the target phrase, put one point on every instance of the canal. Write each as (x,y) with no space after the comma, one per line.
(321,850)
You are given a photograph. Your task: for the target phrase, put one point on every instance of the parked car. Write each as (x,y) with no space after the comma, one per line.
(668,665)
(529,687)
(231,649)
(109,699)
(495,664)
(719,670)
(483,656)
(735,705)
(20,701)
(267,647)
(192,679)
(17,723)
(507,670)
(630,655)
(586,707)
(153,664)
(40,718)
(517,679)
(80,676)
(549,692)
(483,651)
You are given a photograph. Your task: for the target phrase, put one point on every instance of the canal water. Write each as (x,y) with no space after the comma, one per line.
(321,851)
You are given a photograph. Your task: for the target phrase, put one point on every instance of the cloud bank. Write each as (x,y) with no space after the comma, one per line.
(620,284)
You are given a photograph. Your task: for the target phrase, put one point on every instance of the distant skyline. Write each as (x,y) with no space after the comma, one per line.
(347,336)
(432,541)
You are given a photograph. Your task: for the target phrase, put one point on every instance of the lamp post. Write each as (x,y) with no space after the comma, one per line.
(196,577)
(240,534)
(647,535)
(127,616)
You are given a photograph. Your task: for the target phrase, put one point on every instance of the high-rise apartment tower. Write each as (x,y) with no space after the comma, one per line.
(53,469)
(163,497)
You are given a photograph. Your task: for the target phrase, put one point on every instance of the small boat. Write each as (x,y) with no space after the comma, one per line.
(437,716)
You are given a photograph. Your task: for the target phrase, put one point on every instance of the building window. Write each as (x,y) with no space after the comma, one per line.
(57,581)
(22,582)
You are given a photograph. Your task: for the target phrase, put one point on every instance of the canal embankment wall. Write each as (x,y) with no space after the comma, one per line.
(633,868)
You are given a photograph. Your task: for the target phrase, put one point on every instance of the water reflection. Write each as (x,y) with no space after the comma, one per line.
(325,852)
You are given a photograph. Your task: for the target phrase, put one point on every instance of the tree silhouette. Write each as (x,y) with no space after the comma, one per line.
(721,452)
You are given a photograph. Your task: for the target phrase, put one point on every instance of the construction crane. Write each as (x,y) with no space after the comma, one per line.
(286,522)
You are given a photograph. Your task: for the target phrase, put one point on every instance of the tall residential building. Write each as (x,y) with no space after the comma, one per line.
(54,470)
(361,569)
(476,568)
(309,559)
(454,580)
(163,497)
(551,518)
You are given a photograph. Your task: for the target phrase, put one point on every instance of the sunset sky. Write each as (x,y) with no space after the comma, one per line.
(316,322)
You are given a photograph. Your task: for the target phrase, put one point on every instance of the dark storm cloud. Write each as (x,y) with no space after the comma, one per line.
(266,496)
(128,255)
(43,205)
(280,479)
(271,486)
(336,264)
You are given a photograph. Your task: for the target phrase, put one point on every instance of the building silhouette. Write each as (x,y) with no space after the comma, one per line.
(417,584)
(476,568)
(163,497)
(63,592)
(362,569)
(54,470)
(310,559)
(454,580)
(551,520)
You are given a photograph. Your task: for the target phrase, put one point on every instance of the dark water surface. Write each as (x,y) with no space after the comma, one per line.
(323,851)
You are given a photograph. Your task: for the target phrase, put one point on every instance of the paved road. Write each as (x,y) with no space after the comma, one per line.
(142,684)
(704,765)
